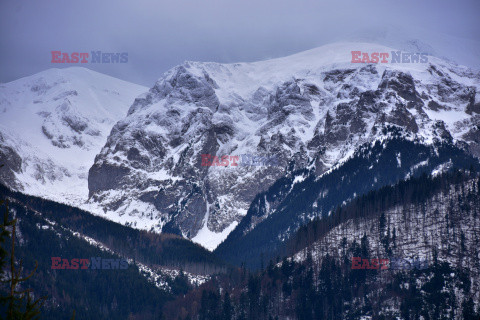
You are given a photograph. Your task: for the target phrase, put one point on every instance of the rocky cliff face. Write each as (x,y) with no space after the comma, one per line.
(310,110)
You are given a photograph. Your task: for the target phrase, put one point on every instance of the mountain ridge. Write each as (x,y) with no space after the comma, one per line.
(312,106)
(311,110)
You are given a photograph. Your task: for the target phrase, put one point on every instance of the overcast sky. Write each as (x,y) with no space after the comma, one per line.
(161,34)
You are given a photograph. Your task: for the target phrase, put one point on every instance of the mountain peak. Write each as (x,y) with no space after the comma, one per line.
(314,107)
(55,122)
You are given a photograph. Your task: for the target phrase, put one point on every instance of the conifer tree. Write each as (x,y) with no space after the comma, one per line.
(20,305)
(227,307)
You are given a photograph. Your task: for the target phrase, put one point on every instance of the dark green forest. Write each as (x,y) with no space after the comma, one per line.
(369,169)
(328,287)
(321,286)
(44,230)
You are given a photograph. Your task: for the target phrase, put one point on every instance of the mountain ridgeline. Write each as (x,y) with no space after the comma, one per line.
(139,150)
(163,250)
(309,112)
(297,201)
(160,266)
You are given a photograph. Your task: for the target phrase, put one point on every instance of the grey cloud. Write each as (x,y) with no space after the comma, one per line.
(161,34)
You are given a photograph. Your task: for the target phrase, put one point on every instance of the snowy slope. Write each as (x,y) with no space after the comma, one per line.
(52,125)
(446,222)
(457,50)
(312,108)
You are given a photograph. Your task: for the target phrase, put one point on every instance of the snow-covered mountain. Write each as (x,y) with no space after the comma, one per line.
(52,125)
(310,110)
